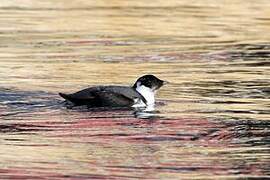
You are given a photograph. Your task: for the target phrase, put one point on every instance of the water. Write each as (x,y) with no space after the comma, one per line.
(211,121)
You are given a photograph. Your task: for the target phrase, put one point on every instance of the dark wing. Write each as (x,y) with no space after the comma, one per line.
(127,92)
(113,99)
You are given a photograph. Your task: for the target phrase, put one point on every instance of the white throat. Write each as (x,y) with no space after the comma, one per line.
(147,93)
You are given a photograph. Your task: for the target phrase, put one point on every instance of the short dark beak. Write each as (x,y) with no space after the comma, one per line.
(165,82)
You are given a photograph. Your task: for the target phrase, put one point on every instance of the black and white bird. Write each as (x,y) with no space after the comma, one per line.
(141,94)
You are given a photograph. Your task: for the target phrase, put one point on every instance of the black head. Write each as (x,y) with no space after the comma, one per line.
(149,81)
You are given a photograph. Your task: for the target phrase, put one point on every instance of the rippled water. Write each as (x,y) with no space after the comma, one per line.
(211,121)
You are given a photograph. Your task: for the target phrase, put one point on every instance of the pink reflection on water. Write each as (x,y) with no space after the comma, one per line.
(155,146)
(33,173)
(135,130)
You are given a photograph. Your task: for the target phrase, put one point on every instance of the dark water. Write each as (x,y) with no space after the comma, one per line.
(211,121)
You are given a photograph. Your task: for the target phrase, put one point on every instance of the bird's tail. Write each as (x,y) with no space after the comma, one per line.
(65,96)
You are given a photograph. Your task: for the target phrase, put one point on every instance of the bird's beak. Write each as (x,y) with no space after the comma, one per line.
(165,82)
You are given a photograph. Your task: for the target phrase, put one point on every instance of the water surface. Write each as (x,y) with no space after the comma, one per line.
(212,120)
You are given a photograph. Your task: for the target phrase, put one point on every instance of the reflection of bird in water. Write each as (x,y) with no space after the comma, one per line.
(140,95)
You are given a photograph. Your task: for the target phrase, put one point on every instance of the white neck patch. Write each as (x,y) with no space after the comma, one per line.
(147,93)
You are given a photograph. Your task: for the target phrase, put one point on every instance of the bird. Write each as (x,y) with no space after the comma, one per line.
(141,94)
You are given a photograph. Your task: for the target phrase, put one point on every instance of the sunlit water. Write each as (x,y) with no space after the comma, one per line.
(212,120)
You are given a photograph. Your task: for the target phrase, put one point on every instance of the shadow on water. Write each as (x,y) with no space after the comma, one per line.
(18,102)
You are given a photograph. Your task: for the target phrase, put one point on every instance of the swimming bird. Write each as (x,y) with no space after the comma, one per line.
(141,94)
